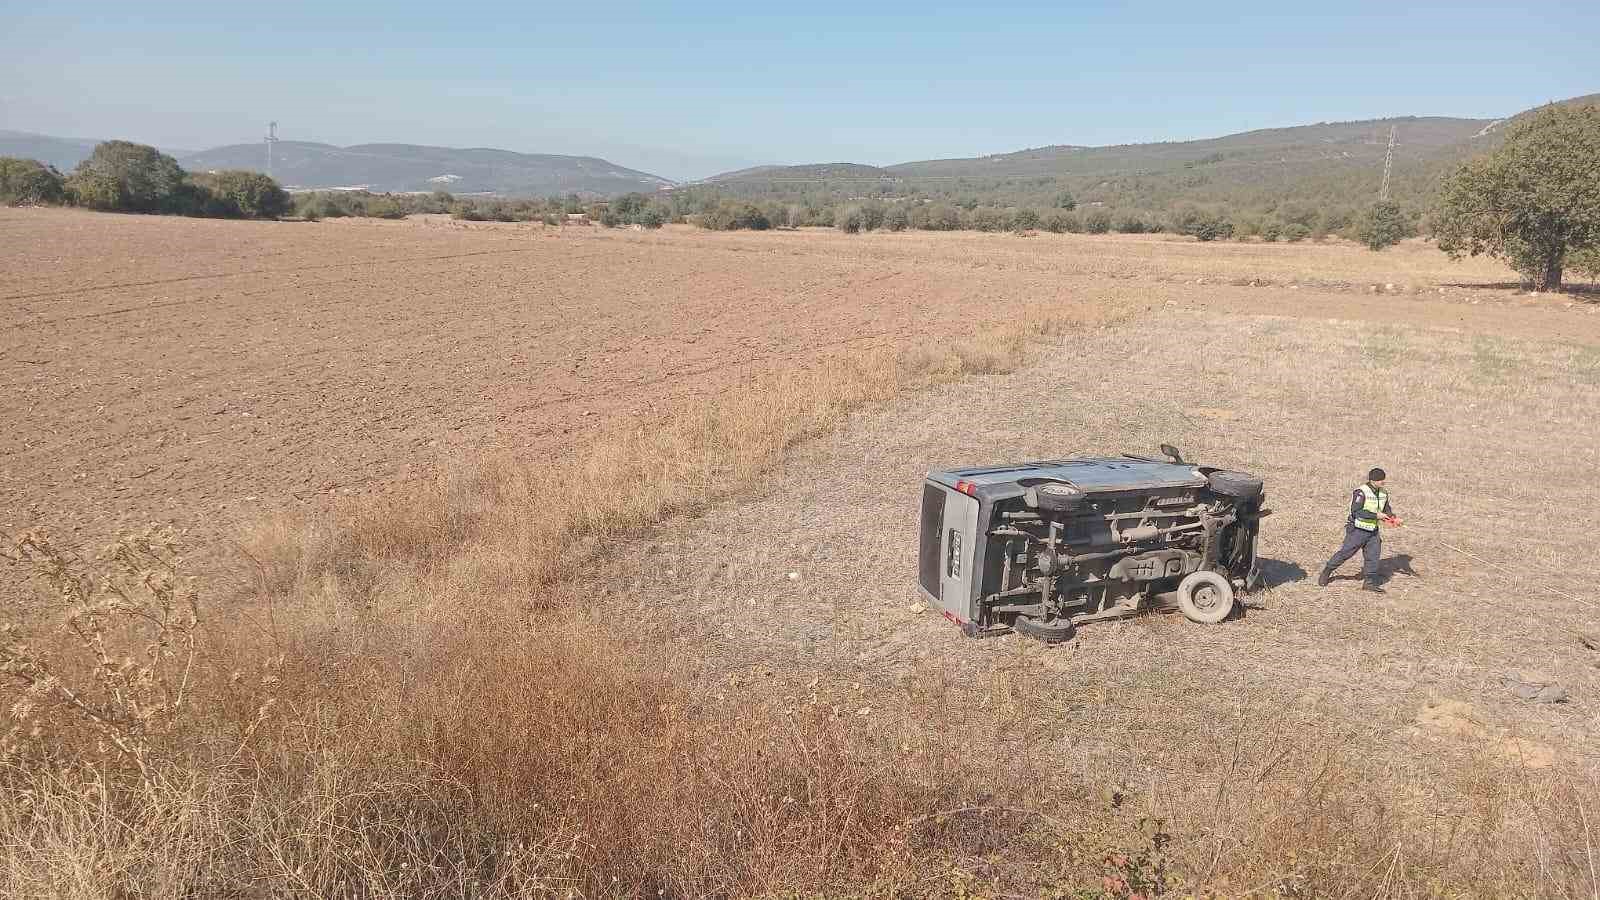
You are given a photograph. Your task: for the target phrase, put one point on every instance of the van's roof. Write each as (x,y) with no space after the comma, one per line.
(1089,474)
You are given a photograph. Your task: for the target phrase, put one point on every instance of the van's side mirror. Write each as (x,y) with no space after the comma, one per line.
(1171,452)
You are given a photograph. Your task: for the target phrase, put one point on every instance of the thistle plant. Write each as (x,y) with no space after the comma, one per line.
(129,628)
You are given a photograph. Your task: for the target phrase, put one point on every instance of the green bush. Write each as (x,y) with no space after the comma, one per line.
(936,217)
(1334,221)
(92,191)
(384,208)
(240,193)
(1098,221)
(1294,232)
(732,215)
(121,176)
(990,218)
(1131,223)
(1271,230)
(27,182)
(777,215)
(1024,220)
(1203,225)
(1061,221)
(897,218)
(1384,224)
(850,219)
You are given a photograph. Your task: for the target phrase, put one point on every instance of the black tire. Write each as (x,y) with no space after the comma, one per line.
(1057,497)
(1238,485)
(1049,631)
(1205,597)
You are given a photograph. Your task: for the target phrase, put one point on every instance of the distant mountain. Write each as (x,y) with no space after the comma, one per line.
(63,153)
(1322,142)
(412,167)
(1329,163)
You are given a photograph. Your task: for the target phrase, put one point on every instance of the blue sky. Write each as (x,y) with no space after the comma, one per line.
(685,91)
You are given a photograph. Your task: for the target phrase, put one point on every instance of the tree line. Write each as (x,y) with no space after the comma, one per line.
(121,176)
(1378,226)
(1534,203)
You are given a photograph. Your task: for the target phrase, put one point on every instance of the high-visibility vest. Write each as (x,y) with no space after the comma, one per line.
(1373,500)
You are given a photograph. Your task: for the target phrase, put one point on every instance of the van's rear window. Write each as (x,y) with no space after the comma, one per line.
(928,557)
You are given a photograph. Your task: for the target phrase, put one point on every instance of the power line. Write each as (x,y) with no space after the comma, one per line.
(1388,163)
(269,140)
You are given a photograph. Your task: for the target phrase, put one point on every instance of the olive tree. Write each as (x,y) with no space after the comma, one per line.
(249,194)
(25,182)
(129,177)
(1531,202)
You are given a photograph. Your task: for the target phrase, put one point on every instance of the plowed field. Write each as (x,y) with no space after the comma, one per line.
(198,371)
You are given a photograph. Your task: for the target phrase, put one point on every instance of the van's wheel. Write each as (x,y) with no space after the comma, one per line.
(1205,597)
(1239,485)
(1050,631)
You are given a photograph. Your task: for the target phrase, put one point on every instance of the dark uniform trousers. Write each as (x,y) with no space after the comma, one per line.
(1370,545)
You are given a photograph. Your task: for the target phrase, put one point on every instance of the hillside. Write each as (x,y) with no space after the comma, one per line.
(1322,142)
(413,167)
(1325,164)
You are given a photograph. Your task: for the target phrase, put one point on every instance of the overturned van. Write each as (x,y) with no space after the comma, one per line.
(1042,547)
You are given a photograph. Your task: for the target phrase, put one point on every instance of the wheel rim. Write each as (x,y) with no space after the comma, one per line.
(1206,598)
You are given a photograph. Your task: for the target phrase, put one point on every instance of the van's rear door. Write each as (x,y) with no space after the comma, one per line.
(947,548)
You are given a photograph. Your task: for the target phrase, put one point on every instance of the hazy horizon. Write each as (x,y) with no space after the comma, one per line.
(689,94)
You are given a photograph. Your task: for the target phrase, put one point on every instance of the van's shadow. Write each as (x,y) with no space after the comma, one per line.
(1275,572)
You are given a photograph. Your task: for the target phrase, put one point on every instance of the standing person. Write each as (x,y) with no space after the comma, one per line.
(1369,505)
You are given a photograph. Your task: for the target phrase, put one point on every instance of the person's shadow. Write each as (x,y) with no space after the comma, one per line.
(1400,564)
(1388,567)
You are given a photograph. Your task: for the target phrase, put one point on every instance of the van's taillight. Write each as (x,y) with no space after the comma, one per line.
(966,487)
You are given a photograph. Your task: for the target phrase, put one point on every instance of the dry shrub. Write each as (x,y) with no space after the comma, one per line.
(117,673)
(506,762)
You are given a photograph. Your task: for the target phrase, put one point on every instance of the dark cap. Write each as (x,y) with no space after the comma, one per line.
(1377,475)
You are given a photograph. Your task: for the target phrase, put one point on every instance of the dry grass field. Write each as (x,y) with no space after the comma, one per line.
(1400,693)
(578,563)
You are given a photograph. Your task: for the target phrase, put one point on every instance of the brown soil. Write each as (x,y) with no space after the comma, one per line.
(199,371)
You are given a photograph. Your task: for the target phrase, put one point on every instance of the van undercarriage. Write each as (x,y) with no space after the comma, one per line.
(1045,546)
